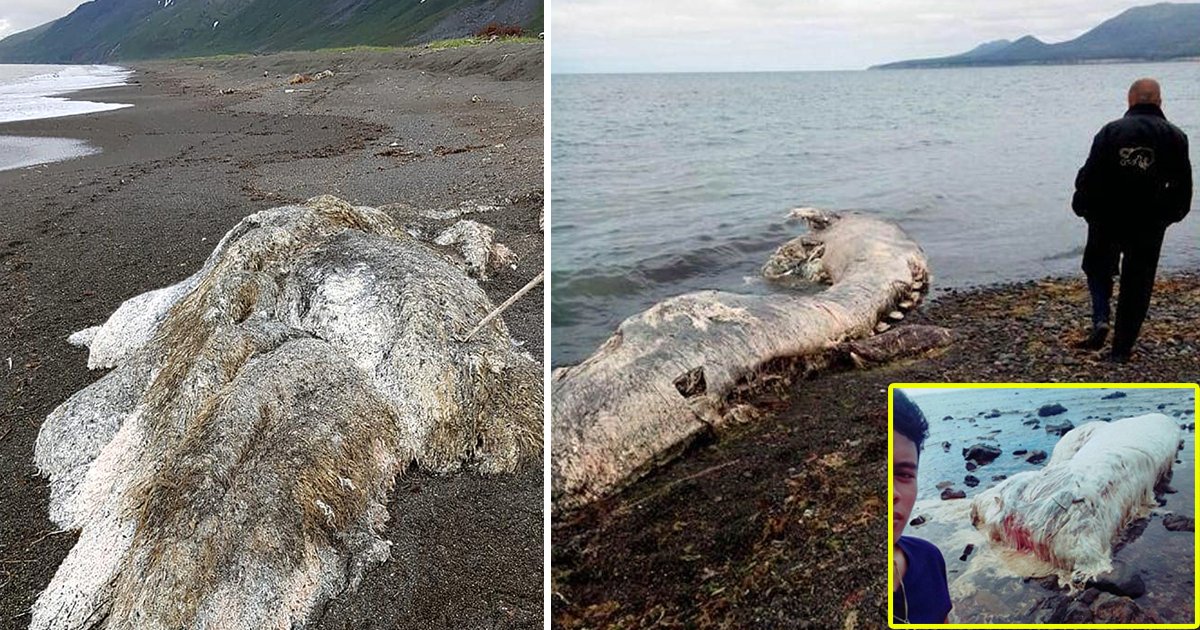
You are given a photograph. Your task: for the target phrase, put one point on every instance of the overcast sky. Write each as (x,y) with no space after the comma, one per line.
(19,15)
(744,35)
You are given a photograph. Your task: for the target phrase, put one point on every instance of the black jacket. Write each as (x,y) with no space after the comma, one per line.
(1138,173)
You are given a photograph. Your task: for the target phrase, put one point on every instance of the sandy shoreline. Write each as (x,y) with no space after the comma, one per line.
(779,523)
(204,146)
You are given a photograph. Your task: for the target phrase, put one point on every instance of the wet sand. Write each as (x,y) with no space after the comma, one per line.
(782,522)
(210,142)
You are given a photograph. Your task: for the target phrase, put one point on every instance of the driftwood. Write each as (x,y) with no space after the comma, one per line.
(1100,478)
(662,379)
(233,471)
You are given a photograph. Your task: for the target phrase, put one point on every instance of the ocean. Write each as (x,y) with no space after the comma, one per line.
(663,184)
(30,92)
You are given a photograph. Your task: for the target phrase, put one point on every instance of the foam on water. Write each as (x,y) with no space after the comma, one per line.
(24,97)
(31,92)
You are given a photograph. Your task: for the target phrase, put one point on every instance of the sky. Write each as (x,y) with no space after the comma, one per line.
(750,35)
(19,15)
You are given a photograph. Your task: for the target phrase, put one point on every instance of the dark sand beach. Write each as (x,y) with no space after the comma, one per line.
(781,522)
(210,141)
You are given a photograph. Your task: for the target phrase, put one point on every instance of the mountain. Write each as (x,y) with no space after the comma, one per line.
(110,30)
(1156,32)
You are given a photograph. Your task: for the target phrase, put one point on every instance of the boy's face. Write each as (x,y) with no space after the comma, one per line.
(904,484)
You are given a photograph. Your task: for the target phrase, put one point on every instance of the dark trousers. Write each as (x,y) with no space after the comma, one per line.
(1134,253)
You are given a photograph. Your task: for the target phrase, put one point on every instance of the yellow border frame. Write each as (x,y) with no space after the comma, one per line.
(1196,468)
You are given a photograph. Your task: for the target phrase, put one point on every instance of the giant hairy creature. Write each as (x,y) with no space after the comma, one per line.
(1099,479)
(233,470)
(663,378)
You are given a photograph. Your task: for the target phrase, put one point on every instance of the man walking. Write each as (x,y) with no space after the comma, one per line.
(1137,180)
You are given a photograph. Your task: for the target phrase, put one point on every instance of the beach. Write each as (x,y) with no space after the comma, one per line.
(210,141)
(780,521)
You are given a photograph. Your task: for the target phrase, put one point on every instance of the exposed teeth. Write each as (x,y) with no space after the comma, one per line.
(895,316)
(882,327)
(905,305)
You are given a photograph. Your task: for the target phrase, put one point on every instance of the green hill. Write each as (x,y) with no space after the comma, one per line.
(1156,32)
(110,30)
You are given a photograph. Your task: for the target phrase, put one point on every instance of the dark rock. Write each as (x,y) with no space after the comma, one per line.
(1067,610)
(1020,451)
(999,477)
(920,520)
(949,493)
(1036,457)
(942,485)
(966,552)
(1059,428)
(1089,596)
(1161,406)
(981,453)
(971,481)
(946,446)
(1122,580)
(993,414)
(1031,423)
(971,466)
(1179,523)
(1051,410)
(1109,608)
(948,418)
(1114,396)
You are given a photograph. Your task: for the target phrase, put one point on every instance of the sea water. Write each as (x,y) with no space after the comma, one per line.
(30,92)
(663,184)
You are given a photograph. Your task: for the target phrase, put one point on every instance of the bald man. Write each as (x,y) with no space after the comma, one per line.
(1137,180)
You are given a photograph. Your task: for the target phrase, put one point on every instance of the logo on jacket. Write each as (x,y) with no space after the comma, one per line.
(1141,157)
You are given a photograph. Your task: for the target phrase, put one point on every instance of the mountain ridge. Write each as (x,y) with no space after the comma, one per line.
(1156,32)
(123,30)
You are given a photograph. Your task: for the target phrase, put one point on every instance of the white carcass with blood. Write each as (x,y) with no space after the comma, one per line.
(1100,478)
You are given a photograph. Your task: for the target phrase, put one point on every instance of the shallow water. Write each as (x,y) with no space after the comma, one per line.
(31,92)
(989,586)
(664,184)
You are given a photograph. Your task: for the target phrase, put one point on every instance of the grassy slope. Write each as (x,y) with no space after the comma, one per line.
(185,28)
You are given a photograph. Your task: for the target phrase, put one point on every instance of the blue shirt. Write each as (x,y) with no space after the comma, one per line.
(925,587)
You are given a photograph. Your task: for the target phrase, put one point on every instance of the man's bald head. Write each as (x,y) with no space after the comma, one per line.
(1145,91)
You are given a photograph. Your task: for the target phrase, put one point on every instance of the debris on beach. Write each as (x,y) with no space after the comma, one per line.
(233,470)
(1100,478)
(662,379)
(477,244)
(299,78)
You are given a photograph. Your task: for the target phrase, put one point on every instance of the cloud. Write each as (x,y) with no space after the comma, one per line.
(20,15)
(633,35)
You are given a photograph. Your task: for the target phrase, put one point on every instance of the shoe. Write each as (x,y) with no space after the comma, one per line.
(1119,356)
(1096,339)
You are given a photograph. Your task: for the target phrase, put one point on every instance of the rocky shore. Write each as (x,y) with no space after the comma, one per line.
(779,522)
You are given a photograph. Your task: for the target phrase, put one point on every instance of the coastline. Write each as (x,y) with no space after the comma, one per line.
(779,520)
(210,141)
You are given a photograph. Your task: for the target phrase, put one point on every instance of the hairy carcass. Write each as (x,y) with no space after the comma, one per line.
(662,379)
(233,470)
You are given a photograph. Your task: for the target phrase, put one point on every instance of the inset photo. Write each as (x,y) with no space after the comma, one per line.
(1042,505)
